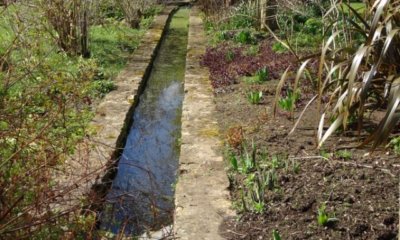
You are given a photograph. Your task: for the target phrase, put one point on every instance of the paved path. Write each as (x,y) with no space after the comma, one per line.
(202,190)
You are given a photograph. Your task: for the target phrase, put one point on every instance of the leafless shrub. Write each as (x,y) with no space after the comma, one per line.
(133,10)
(69,19)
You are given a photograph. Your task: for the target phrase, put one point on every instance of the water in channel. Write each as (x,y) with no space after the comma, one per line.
(142,193)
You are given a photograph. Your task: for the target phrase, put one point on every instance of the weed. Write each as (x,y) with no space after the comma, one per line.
(245,163)
(222,35)
(324,154)
(254,97)
(395,143)
(261,76)
(295,166)
(323,218)
(243,37)
(344,154)
(253,50)
(279,48)
(234,162)
(257,173)
(275,162)
(276,235)
(229,56)
(102,87)
(288,103)
(313,26)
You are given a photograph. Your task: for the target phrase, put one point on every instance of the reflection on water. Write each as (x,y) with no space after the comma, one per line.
(142,193)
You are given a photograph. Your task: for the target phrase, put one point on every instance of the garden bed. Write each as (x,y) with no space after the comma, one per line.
(356,190)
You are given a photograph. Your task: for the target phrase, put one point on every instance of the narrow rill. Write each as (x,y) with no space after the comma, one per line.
(142,194)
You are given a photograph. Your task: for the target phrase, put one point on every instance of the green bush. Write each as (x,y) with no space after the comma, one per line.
(313,26)
(243,37)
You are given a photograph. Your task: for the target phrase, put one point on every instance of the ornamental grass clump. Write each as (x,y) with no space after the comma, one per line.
(359,68)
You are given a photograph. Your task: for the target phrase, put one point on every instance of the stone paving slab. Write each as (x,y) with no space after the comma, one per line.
(202,196)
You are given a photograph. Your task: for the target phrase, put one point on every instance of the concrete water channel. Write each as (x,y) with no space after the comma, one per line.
(142,193)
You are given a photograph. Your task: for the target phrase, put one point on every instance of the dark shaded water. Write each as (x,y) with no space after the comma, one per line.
(142,194)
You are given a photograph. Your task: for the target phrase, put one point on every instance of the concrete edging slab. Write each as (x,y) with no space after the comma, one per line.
(202,196)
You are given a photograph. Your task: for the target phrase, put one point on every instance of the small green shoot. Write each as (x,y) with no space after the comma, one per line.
(279,48)
(276,235)
(253,50)
(245,163)
(288,103)
(243,37)
(323,218)
(324,154)
(255,97)
(234,162)
(230,56)
(295,166)
(344,154)
(260,76)
(263,74)
(275,162)
(395,143)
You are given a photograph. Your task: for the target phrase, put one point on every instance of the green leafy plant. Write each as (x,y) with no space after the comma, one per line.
(314,26)
(230,56)
(288,103)
(395,143)
(243,37)
(254,97)
(261,76)
(323,218)
(234,162)
(278,47)
(276,235)
(344,154)
(245,163)
(253,50)
(324,154)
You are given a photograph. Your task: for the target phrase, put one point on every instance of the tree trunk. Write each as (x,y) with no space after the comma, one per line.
(268,12)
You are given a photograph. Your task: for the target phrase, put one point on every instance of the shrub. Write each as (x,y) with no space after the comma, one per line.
(243,37)
(70,20)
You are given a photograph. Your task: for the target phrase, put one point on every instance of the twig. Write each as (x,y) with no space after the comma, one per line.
(384,170)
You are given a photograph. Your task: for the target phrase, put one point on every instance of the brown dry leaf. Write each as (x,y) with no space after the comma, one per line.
(235,136)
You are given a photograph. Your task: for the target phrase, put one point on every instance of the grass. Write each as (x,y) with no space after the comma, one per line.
(112,44)
(360,7)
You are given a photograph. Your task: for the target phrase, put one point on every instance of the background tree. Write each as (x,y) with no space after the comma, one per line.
(70,21)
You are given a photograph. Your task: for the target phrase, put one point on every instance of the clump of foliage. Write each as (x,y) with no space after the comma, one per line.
(243,37)
(362,77)
(278,47)
(276,235)
(344,154)
(260,76)
(323,218)
(254,173)
(288,102)
(254,97)
(395,143)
